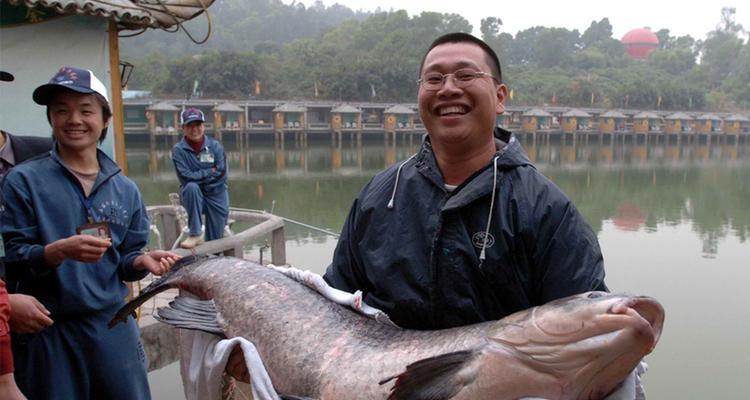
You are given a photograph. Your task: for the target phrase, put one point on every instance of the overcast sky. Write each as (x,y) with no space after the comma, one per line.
(682,17)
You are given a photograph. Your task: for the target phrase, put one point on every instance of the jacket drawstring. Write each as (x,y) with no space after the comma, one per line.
(398,175)
(489,217)
(482,254)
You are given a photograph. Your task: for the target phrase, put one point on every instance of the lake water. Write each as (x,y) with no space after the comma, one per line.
(673,221)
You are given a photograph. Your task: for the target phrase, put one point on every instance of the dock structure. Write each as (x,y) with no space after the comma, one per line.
(282,120)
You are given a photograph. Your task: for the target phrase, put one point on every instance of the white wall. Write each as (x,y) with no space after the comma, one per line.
(33,54)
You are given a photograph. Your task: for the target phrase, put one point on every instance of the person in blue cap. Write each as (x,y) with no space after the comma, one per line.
(54,208)
(201,167)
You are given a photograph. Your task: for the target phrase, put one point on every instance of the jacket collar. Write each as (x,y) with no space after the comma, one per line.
(480,183)
(183,144)
(107,166)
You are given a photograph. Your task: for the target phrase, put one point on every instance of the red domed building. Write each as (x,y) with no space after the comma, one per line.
(639,43)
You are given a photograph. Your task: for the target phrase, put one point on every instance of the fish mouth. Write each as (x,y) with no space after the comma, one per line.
(647,310)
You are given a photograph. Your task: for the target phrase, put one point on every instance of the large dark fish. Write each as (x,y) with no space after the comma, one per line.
(580,347)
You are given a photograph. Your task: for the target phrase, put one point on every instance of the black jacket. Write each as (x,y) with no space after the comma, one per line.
(420,260)
(25,147)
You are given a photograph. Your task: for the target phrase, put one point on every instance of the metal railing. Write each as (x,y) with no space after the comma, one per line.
(318,125)
(165,224)
(259,125)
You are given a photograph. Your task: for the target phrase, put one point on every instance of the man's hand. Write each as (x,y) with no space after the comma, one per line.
(157,262)
(236,366)
(85,248)
(27,314)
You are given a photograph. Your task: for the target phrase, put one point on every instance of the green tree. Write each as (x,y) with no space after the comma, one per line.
(150,72)
(596,32)
(555,46)
(677,61)
(720,50)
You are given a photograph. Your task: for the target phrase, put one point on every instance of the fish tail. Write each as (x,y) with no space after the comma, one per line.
(164,282)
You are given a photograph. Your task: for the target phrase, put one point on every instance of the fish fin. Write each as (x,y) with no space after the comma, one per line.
(191,313)
(434,378)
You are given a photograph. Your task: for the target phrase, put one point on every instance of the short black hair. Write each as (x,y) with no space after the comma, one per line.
(463,37)
(106,111)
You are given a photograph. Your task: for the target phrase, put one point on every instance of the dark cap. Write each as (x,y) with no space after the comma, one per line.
(191,115)
(71,78)
(6,76)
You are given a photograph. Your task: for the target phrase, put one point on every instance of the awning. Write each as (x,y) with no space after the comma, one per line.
(129,14)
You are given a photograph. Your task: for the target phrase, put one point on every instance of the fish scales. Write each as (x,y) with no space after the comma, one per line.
(312,340)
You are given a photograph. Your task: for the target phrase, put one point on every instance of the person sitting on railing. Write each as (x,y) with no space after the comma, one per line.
(201,167)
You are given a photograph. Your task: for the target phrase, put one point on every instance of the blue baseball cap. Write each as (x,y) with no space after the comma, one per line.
(71,78)
(191,115)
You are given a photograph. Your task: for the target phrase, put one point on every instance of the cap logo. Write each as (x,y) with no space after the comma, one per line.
(66,76)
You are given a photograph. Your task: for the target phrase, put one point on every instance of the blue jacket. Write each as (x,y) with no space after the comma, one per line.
(420,260)
(43,202)
(190,168)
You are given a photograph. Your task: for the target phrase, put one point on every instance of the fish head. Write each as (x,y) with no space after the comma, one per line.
(591,341)
(592,314)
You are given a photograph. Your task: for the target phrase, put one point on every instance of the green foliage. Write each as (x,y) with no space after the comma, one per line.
(333,53)
(676,61)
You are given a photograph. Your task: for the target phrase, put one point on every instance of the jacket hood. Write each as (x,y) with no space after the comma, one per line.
(509,155)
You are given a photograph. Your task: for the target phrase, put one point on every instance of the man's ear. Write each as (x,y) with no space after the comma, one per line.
(502,94)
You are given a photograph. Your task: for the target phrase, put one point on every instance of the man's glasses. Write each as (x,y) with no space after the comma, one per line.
(461,78)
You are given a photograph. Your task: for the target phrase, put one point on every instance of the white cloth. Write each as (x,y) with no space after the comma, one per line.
(202,372)
(352,300)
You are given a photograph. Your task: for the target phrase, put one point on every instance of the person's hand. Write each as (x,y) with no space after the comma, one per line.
(157,262)
(85,248)
(27,314)
(8,388)
(236,366)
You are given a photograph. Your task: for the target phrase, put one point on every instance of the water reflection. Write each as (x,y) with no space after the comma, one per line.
(636,186)
(257,158)
(672,221)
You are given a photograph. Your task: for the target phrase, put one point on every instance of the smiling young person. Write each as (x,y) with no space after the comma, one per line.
(52,205)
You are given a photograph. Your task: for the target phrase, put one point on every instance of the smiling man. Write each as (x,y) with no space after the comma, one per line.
(466,230)
(201,168)
(53,208)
